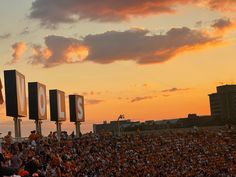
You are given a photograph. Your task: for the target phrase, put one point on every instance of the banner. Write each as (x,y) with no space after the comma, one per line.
(76,108)
(37,101)
(15,93)
(57,105)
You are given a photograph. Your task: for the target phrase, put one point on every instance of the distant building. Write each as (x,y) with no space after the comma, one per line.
(152,125)
(223,104)
(113,126)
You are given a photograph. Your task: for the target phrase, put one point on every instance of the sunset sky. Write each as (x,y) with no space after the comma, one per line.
(147,59)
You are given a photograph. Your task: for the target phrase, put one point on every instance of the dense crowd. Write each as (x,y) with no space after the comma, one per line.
(194,152)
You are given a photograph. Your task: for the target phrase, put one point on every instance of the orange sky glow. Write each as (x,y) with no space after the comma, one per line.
(149,60)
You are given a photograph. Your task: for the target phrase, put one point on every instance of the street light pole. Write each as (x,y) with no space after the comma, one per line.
(122,116)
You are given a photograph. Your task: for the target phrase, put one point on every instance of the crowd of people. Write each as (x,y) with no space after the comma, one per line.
(171,153)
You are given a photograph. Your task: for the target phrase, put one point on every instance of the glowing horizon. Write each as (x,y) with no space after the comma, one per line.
(147,60)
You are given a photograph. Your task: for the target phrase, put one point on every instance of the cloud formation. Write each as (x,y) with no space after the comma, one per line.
(174,89)
(25,31)
(222,25)
(137,99)
(5,36)
(51,12)
(92,93)
(135,44)
(19,49)
(93,101)
(59,50)
(222,5)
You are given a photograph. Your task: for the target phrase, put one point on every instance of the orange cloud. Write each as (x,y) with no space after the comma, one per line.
(39,54)
(93,101)
(222,25)
(58,51)
(222,5)
(51,12)
(138,98)
(174,89)
(138,46)
(19,49)
(135,44)
(76,53)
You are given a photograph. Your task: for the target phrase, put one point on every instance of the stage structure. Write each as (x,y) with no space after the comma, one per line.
(15,94)
(37,104)
(57,108)
(77,111)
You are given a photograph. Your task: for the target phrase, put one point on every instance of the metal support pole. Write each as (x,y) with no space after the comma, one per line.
(40,127)
(77,129)
(16,127)
(58,124)
(122,116)
(38,124)
(19,127)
